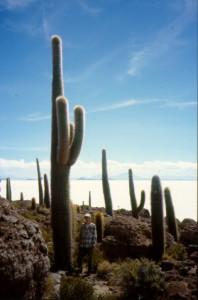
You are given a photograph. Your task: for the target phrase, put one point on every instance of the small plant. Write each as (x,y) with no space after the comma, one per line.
(139,279)
(103,269)
(177,251)
(74,288)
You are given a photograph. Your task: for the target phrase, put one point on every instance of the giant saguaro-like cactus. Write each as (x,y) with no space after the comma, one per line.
(39,183)
(157,219)
(170,215)
(66,144)
(89,201)
(8,190)
(105,185)
(135,209)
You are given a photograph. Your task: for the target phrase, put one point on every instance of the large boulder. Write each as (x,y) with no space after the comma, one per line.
(189,232)
(23,255)
(127,237)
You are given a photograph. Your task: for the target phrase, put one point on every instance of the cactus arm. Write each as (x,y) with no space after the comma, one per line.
(170,215)
(63,130)
(157,219)
(105,185)
(71,133)
(142,202)
(78,135)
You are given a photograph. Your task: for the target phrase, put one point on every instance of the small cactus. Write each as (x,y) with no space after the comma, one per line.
(157,219)
(105,185)
(21,197)
(41,202)
(99,221)
(135,209)
(89,200)
(33,204)
(170,215)
(46,192)
(8,190)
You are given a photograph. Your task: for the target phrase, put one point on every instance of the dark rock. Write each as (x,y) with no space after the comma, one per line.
(167,265)
(144,213)
(127,237)
(23,255)
(189,232)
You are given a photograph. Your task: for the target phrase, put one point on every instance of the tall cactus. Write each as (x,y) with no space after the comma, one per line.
(170,215)
(8,190)
(46,192)
(66,144)
(41,202)
(89,200)
(105,185)
(135,209)
(21,196)
(157,219)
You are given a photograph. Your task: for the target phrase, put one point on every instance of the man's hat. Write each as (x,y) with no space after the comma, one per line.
(87,215)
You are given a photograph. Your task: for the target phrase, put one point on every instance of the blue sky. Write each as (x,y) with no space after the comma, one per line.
(130,63)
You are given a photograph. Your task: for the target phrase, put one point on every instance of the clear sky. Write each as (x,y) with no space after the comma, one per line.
(130,63)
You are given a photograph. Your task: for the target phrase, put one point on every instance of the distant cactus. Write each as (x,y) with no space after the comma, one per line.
(33,204)
(170,215)
(99,221)
(83,206)
(41,202)
(157,219)
(135,209)
(8,190)
(105,185)
(89,200)
(21,197)
(66,144)
(46,192)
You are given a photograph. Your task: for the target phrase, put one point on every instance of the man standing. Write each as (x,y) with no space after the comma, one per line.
(88,237)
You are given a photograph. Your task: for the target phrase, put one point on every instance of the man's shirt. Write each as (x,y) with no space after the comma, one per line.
(88,235)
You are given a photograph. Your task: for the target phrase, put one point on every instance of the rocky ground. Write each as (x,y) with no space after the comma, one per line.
(26,252)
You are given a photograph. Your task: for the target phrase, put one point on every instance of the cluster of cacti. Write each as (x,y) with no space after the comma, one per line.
(39,183)
(66,144)
(157,219)
(135,209)
(46,192)
(105,185)
(99,221)
(170,215)
(8,190)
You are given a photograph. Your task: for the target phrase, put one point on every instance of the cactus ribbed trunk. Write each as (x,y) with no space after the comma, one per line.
(99,221)
(89,200)
(21,197)
(39,183)
(170,215)
(105,185)
(157,219)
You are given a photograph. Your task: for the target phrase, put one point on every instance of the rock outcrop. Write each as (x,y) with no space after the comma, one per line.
(23,255)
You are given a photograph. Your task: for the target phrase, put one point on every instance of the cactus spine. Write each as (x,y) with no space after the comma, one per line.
(8,190)
(105,185)
(135,209)
(66,143)
(170,215)
(46,192)
(157,219)
(39,183)
(99,221)
(89,200)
